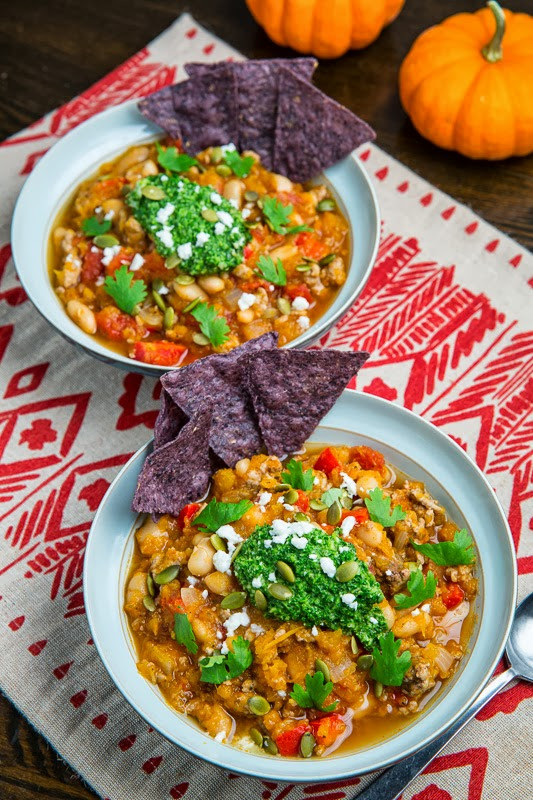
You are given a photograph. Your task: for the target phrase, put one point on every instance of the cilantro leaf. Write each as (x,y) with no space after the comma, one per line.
(273,272)
(314,694)
(125,291)
(212,325)
(278,216)
(388,667)
(331,495)
(296,477)
(240,165)
(93,227)
(219,668)
(449,554)
(378,506)
(216,513)
(172,160)
(419,589)
(184,632)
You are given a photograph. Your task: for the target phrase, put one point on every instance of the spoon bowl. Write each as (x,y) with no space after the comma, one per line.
(519,650)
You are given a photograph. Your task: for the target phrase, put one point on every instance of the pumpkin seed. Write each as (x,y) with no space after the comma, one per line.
(307,745)
(303,267)
(223,170)
(270,746)
(317,505)
(322,667)
(327,259)
(105,240)
(148,603)
(157,284)
(353,644)
(210,214)
(301,517)
(150,585)
(270,313)
(258,705)
(199,338)
(233,600)
(217,542)
(260,202)
(283,305)
(378,688)
(217,154)
(365,662)
(346,500)
(158,300)
(286,571)
(167,575)
(191,305)
(327,204)
(184,280)
(256,736)
(169,318)
(279,591)
(291,496)
(281,487)
(346,571)
(250,196)
(153,192)
(334,513)
(236,552)
(172,261)
(260,600)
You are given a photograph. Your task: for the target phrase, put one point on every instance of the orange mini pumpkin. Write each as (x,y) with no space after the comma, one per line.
(325,28)
(467,84)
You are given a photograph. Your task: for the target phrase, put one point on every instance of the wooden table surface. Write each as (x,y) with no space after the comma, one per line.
(51,51)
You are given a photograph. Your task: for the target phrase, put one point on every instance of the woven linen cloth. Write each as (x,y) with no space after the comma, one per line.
(445,318)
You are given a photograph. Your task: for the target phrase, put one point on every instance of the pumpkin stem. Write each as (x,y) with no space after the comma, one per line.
(493,50)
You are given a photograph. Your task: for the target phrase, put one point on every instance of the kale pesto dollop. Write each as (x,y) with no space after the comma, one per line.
(194,222)
(315,597)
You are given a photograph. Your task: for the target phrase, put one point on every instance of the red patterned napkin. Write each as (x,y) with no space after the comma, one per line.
(445,317)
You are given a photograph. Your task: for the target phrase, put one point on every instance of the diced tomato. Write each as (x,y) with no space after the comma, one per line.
(172,602)
(299,290)
(92,264)
(326,729)
(253,285)
(258,233)
(112,323)
(247,252)
(327,461)
(110,187)
(162,354)
(310,246)
(124,256)
(360,514)
(452,595)
(328,528)
(187,513)
(367,457)
(153,267)
(288,742)
(303,501)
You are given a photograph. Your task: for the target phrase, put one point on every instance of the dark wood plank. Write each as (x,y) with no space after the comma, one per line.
(51,51)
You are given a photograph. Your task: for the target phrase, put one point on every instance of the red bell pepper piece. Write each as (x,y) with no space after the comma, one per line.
(92,264)
(299,290)
(112,323)
(327,461)
(326,729)
(288,742)
(302,504)
(124,256)
(359,513)
(187,512)
(248,251)
(162,354)
(367,457)
(452,595)
(311,246)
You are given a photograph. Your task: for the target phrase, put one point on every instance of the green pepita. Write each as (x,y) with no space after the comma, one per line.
(256,736)
(270,313)
(258,705)
(334,513)
(327,204)
(270,746)
(283,305)
(365,662)
(157,284)
(322,667)
(236,552)
(148,603)
(291,496)
(260,600)
(191,305)
(301,517)
(346,500)
(354,646)
(217,542)
(233,600)
(158,300)
(378,689)
(327,259)
(105,240)
(281,487)
(199,338)
(217,154)
(303,267)
(170,317)
(317,505)
(346,571)
(209,214)
(167,575)
(184,280)
(279,591)
(307,745)
(286,571)
(150,585)
(153,192)
(172,261)
(250,196)
(223,170)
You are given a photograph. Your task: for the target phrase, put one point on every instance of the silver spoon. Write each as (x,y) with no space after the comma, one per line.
(519,652)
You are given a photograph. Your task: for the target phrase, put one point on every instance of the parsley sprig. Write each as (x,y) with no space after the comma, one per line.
(213,326)
(315,692)
(272,271)
(184,632)
(278,216)
(450,554)
(93,227)
(170,159)
(388,667)
(239,165)
(216,514)
(219,667)
(378,505)
(420,590)
(125,291)
(296,477)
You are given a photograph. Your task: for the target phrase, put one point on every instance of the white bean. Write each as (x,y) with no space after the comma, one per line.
(218,583)
(241,467)
(233,190)
(284,252)
(281,183)
(211,284)
(201,559)
(134,156)
(189,291)
(82,316)
(245,316)
(370,533)
(365,484)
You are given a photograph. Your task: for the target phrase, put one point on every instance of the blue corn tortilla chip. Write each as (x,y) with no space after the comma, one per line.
(159,108)
(170,420)
(292,390)
(313,131)
(177,473)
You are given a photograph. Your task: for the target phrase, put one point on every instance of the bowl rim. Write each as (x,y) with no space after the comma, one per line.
(25,206)
(282,771)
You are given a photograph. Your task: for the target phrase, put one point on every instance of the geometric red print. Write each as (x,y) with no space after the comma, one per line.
(38,434)
(179,791)
(432,792)
(152,764)
(127,742)
(27,380)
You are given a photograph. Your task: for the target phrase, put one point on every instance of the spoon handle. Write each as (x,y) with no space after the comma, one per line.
(393,781)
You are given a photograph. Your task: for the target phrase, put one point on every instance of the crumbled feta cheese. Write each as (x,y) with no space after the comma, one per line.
(163,290)
(202,238)
(347,525)
(225,218)
(219,634)
(313,556)
(237,620)
(110,253)
(300,304)
(165,234)
(220,736)
(226,148)
(100,280)
(349,599)
(272,577)
(327,566)
(344,549)
(304,322)
(97,209)
(215,198)
(257,629)
(205,593)
(222,561)
(257,582)
(185,251)
(246,300)
(164,178)
(415,612)
(314,630)
(263,500)
(219,228)
(299,542)
(349,484)
(164,213)
(229,533)
(425,607)
(224,649)
(192,580)
(373,620)
(95,249)
(388,572)
(288,507)
(268,543)
(282,693)
(137,262)
(245,213)
(281,530)
(110,214)
(235,204)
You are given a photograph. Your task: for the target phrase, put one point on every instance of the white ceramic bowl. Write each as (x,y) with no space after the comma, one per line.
(417,448)
(103,137)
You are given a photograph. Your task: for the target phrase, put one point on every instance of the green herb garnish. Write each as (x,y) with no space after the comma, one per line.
(239,165)
(278,216)
(378,506)
(388,667)
(93,227)
(449,554)
(213,326)
(419,589)
(219,668)
(273,272)
(216,514)
(296,477)
(173,161)
(125,291)
(331,495)
(314,694)
(184,632)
